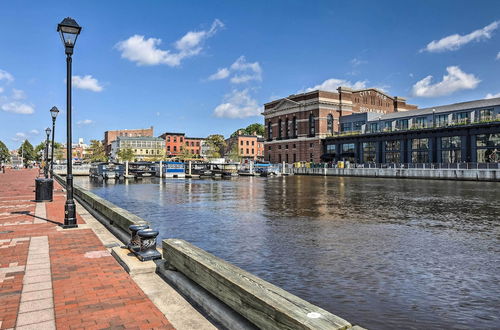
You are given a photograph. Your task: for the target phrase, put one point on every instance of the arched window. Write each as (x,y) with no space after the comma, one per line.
(312,128)
(329,124)
(269,130)
(287,131)
(280,129)
(294,126)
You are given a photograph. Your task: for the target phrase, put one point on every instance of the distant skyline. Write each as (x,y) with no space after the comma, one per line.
(205,67)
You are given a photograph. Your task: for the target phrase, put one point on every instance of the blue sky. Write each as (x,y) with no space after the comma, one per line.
(205,67)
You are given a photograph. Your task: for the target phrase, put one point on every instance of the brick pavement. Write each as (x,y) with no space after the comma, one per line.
(65,279)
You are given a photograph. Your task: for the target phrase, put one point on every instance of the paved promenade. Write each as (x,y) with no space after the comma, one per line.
(50,277)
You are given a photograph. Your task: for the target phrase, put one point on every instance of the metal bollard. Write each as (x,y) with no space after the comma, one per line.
(135,241)
(147,249)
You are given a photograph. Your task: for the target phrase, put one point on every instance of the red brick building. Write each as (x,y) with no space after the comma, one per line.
(176,143)
(296,125)
(250,147)
(110,136)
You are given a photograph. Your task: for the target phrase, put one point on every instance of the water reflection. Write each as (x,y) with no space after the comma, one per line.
(383,253)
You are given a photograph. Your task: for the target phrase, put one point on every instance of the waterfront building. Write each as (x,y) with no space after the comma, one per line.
(296,125)
(145,148)
(460,132)
(248,147)
(176,143)
(110,136)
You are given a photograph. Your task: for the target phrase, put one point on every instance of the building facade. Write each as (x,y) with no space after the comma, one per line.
(296,125)
(145,148)
(247,147)
(461,132)
(174,143)
(110,136)
(193,146)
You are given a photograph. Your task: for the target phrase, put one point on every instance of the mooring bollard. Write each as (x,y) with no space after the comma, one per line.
(147,249)
(135,241)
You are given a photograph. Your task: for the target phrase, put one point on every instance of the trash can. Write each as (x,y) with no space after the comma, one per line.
(43,190)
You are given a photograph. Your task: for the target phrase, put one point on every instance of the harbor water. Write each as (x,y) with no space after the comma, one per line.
(381,253)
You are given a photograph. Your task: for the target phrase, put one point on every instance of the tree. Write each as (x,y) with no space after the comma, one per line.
(4,153)
(216,145)
(126,154)
(59,151)
(255,128)
(40,151)
(234,155)
(98,152)
(252,129)
(27,152)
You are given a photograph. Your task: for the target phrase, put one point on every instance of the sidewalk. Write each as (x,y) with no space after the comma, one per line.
(50,277)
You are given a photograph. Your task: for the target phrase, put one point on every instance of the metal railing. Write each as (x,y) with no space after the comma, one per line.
(429,166)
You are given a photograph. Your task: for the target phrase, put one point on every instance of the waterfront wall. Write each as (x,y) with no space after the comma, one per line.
(408,173)
(265,305)
(259,302)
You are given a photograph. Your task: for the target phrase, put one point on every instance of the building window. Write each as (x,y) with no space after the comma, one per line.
(247,151)
(345,127)
(168,138)
(310,145)
(286,146)
(486,115)
(387,126)
(253,142)
(420,150)
(287,131)
(241,142)
(294,146)
(451,149)
(279,147)
(294,158)
(461,118)
(269,148)
(356,126)
(488,148)
(280,129)
(248,143)
(312,126)
(419,122)
(269,130)
(348,152)
(373,127)
(329,124)
(175,148)
(241,151)
(402,124)
(311,157)
(392,151)
(286,158)
(331,149)
(294,126)
(369,152)
(279,158)
(253,151)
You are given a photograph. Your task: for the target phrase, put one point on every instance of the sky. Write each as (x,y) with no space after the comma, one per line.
(207,67)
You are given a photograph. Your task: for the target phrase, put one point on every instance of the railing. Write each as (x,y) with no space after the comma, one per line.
(77,169)
(429,166)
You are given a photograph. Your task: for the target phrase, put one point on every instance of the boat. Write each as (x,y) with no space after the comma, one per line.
(171,169)
(105,171)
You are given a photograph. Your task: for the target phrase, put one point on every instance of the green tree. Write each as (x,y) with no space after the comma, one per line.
(126,154)
(4,153)
(40,151)
(255,128)
(216,145)
(234,155)
(27,152)
(236,133)
(98,152)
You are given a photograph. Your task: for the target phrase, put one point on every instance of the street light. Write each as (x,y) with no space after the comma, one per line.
(69,31)
(46,167)
(53,113)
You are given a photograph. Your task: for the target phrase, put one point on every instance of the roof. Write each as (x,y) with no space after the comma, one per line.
(444,108)
(139,138)
(170,133)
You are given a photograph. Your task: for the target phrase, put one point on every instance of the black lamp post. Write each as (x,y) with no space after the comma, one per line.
(69,31)
(46,167)
(53,113)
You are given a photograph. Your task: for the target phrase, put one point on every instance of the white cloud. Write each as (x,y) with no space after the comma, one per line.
(18,94)
(4,75)
(357,62)
(86,82)
(454,81)
(492,96)
(1,90)
(17,107)
(220,74)
(85,122)
(20,136)
(455,41)
(332,84)
(498,56)
(241,70)
(34,132)
(238,104)
(144,51)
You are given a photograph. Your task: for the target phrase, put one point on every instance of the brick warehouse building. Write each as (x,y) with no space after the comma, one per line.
(296,125)
(110,136)
(249,147)
(175,143)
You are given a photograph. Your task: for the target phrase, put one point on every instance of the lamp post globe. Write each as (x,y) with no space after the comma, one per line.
(69,31)
(53,113)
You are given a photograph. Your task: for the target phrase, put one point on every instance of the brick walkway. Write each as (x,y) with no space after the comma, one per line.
(65,279)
